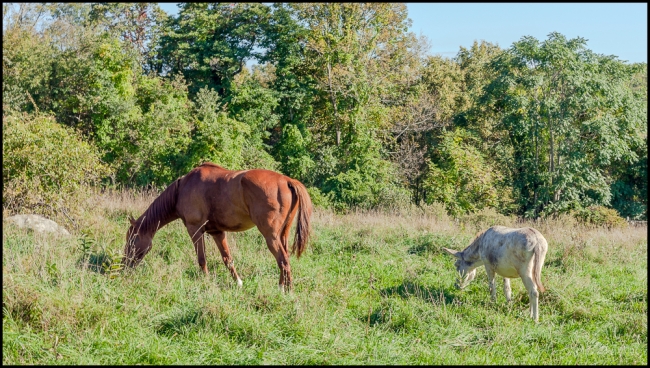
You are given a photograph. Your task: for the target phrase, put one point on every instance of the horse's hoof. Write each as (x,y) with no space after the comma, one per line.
(239,282)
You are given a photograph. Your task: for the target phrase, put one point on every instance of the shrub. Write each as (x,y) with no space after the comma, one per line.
(462,178)
(318,199)
(600,216)
(486,218)
(46,168)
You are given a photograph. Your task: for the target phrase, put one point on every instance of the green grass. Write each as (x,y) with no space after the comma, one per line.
(370,289)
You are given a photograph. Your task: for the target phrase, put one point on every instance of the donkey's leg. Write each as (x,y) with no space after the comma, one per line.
(196,234)
(491,282)
(532,294)
(506,289)
(220,239)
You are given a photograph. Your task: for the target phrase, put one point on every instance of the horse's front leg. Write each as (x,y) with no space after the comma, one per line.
(196,234)
(220,239)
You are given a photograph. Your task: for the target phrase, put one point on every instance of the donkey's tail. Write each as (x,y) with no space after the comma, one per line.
(540,254)
(303,227)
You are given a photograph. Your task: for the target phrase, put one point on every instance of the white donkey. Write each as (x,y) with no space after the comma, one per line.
(508,252)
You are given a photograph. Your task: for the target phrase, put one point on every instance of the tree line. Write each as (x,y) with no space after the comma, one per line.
(341,97)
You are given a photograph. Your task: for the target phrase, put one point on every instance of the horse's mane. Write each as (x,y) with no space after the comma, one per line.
(162,210)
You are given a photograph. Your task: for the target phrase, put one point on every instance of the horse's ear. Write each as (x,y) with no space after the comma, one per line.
(132,220)
(454,253)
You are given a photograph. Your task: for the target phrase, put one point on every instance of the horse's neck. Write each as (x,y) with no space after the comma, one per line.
(161,212)
(152,224)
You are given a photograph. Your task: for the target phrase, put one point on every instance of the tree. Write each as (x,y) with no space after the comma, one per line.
(137,24)
(353,55)
(568,116)
(460,177)
(209,43)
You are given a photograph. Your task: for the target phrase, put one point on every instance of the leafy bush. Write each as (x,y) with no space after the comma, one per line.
(600,216)
(47,168)
(160,135)
(487,217)
(217,137)
(318,199)
(461,177)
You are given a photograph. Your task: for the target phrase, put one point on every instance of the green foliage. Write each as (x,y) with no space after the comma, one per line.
(160,137)
(210,42)
(600,216)
(295,160)
(343,98)
(318,199)
(365,180)
(461,177)
(47,168)
(568,117)
(217,137)
(138,25)
(26,56)
(253,103)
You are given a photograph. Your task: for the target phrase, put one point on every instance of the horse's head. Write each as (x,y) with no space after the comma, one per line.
(137,245)
(466,270)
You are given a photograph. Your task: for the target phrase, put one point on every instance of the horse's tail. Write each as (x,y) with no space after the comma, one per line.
(540,254)
(303,227)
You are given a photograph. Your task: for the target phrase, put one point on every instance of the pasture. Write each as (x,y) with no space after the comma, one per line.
(371,288)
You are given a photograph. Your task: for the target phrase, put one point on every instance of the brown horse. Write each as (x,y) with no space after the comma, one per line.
(213,200)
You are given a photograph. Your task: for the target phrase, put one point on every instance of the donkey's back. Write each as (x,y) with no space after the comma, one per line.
(513,251)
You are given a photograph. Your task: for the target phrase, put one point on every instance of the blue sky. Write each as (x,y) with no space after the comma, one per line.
(619,29)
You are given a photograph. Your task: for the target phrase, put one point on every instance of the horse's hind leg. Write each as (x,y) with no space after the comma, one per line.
(196,234)
(282,258)
(220,239)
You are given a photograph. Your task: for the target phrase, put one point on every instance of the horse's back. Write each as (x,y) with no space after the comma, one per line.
(210,192)
(266,190)
(232,200)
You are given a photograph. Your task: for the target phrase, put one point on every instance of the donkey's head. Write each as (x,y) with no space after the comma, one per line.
(466,269)
(137,245)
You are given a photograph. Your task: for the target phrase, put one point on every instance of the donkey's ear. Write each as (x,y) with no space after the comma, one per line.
(454,253)
(132,220)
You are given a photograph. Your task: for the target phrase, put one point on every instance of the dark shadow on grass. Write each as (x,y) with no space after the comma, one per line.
(357,246)
(94,261)
(179,323)
(557,262)
(409,289)
(422,248)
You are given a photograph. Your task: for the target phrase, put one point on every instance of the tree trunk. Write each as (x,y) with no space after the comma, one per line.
(333,100)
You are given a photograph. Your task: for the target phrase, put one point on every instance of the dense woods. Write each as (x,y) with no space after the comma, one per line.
(341,97)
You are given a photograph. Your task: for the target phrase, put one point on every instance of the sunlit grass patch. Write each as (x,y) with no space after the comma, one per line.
(372,288)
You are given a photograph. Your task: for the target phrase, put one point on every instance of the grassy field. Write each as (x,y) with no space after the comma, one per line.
(372,288)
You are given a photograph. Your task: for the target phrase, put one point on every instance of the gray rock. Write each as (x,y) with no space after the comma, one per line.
(37,223)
